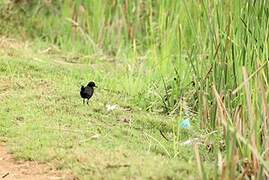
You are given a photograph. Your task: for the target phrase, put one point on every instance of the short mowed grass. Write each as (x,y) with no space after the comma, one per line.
(43,119)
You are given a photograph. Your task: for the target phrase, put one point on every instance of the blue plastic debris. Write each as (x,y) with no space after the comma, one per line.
(185,124)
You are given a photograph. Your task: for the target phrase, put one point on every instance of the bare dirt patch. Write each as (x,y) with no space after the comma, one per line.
(11,169)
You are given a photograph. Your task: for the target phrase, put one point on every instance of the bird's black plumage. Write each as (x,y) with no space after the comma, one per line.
(87,92)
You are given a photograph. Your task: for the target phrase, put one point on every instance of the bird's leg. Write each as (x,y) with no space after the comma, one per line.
(83,101)
(88,101)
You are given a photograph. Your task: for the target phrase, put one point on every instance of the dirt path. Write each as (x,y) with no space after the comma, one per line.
(11,169)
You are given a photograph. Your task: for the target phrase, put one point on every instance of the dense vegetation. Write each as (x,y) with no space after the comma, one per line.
(205,60)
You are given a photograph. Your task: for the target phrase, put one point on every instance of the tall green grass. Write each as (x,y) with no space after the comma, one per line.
(211,55)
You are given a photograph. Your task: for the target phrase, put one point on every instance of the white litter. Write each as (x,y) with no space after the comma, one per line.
(112,107)
(191,142)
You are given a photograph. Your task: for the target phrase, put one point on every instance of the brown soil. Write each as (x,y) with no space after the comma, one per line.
(10,169)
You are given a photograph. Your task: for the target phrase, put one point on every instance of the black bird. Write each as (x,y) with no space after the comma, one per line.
(87,92)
